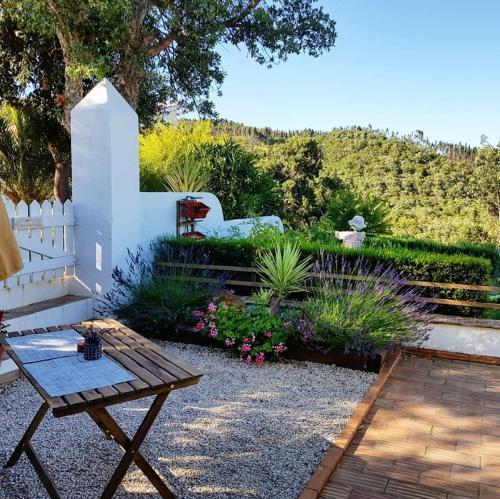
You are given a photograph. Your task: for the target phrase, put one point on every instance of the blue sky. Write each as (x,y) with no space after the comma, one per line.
(431,65)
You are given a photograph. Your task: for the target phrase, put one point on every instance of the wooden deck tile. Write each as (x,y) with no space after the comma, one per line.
(433,432)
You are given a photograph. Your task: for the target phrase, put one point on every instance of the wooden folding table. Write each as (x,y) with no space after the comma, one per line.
(157,373)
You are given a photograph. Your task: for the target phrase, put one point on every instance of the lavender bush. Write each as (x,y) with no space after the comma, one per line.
(368,311)
(156,297)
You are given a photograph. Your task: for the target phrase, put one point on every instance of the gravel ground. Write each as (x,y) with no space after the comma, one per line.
(243,432)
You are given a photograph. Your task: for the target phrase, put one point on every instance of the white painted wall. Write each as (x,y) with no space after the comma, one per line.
(105,158)
(67,313)
(464,339)
(158,216)
(111,214)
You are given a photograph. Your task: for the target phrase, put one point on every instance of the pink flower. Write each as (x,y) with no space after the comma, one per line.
(198,313)
(213,333)
(287,323)
(246,347)
(246,340)
(212,307)
(199,326)
(268,334)
(260,359)
(229,342)
(246,360)
(279,348)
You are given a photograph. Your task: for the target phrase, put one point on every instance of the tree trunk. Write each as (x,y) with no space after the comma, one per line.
(62,174)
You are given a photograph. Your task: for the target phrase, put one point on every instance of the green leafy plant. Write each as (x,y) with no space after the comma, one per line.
(152,301)
(186,175)
(242,189)
(26,167)
(282,271)
(344,205)
(252,331)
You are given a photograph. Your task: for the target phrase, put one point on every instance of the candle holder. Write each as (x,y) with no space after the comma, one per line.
(92,345)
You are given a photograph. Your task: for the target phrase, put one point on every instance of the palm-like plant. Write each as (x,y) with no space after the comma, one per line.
(187,175)
(26,167)
(282,271)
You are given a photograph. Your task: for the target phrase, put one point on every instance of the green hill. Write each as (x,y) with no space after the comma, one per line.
(446,192)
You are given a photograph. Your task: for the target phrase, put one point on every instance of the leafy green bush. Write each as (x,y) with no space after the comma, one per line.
(487,251)
(186,175)
(161,147)
(412,264)
(345,204)
(282,271)
(242,189)
(152,302)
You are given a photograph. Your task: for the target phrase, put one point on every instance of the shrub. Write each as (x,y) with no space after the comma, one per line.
(370,312)
(186,175)
(242,189)
(282,271)
(26,166)
(152,302)
(345,204)
(412,264)
(488,251)
(252,331)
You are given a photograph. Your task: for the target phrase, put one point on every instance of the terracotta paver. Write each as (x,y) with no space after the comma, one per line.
(433,432)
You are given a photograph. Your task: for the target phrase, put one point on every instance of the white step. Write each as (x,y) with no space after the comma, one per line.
(68,309)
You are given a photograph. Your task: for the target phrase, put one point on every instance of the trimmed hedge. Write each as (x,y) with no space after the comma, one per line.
(488,251)
(414,265)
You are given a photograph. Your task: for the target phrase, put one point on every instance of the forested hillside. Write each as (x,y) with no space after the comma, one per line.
(439,191)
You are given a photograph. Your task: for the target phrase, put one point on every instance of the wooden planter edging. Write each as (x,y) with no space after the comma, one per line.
(330,462)
(445,354)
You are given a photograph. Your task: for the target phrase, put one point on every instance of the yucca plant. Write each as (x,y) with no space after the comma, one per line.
(187,175)
(282,271)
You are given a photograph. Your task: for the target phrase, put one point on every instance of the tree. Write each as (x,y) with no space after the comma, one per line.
(26,167)
(296,165)
(53,51)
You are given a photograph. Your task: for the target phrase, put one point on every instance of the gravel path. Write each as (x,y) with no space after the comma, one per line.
(243,432)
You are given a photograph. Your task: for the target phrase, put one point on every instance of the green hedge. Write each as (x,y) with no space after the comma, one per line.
(488,251)
(411,264)
(415,265)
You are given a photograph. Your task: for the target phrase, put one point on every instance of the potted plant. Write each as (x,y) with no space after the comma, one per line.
(92,348)
(3,328)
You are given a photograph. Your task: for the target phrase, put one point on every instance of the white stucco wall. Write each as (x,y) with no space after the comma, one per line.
(460,338)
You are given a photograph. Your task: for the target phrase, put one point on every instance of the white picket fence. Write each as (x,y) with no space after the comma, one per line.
(45,235)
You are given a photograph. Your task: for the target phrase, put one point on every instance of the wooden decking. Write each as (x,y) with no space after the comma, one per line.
(433,432)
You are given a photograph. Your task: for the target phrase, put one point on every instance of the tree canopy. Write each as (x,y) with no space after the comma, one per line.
(53,51)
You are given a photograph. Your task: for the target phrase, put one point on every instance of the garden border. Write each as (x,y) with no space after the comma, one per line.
(332,458)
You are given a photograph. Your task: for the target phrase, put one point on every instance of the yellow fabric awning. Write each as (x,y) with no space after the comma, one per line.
(10,257)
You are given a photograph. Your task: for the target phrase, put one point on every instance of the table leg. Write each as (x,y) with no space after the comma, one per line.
(133,448)
(41,472)
(112,428)
(27,435)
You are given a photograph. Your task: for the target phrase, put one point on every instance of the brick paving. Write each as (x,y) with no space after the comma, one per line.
(433,432)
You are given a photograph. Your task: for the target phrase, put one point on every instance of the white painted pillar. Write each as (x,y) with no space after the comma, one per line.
(105,165)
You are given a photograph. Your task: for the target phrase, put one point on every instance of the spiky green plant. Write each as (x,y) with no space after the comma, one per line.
(187,175)
(282,271)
